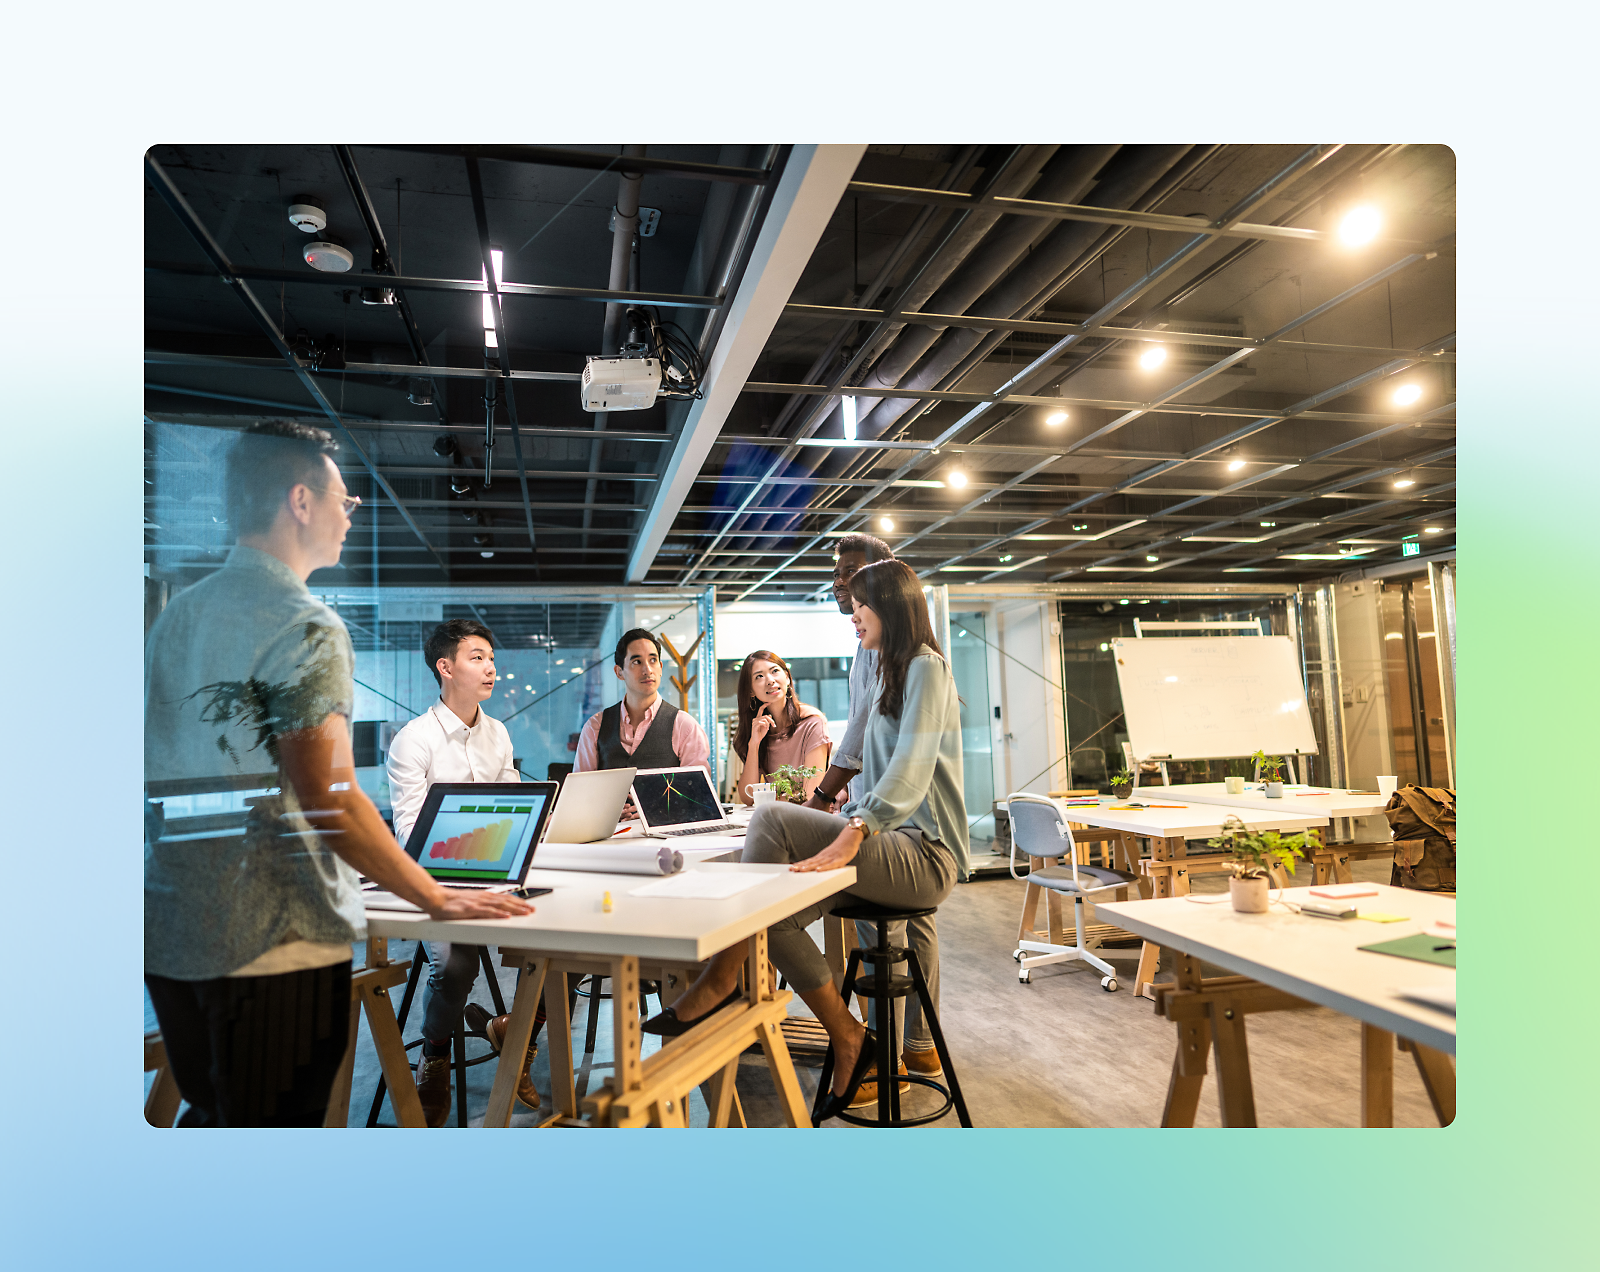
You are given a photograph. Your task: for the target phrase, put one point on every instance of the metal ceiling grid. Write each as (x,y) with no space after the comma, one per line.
(1287,334)
(421,222)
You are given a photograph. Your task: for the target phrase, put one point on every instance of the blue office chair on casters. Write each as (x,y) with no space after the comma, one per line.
(1039,829)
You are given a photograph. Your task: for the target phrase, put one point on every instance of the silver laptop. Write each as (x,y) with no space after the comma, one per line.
(589,806)
(680,801)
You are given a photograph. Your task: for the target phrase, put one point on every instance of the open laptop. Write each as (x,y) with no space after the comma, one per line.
(475,835)
(589,805)
(680,801)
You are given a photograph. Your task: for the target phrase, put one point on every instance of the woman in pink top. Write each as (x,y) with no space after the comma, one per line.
(775,728)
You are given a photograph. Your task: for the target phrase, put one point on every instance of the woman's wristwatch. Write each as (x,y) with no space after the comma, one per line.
(856,824)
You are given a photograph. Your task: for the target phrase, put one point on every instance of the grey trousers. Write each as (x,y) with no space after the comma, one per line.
(455,968)
(893,868)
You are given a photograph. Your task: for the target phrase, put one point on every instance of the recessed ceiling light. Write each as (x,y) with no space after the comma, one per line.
(1151,556)
(486,555)
(1005,558)
(1403,483)
(1081,525)
(1236,465)
(1122,602)
(957,478)
(1153,357)
(1432,529)
(1056,417)
(886,524)
(1360,225)
(847,409)
(1406,394)
(1269,524)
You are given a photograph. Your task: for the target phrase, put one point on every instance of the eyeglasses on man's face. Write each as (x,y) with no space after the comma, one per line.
(349,502)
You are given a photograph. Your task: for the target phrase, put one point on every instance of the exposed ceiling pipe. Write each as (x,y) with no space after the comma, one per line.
(622,239)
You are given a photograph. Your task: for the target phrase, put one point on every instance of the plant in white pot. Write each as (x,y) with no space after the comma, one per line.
(1269,768)
(1249,886)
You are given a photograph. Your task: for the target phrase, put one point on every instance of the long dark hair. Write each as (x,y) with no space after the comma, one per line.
(784,720)
(893,592)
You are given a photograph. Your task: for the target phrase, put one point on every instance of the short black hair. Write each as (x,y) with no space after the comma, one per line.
(269,459)
(873,549)
(446,638)
(628,637)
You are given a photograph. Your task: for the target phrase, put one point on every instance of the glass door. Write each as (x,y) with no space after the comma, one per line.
(969,663)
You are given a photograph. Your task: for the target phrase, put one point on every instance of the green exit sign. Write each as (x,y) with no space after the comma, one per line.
(1410,548)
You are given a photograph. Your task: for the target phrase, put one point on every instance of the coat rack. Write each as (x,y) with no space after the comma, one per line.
(683,682)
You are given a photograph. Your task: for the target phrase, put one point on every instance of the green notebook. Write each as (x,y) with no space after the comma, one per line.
(1426,949)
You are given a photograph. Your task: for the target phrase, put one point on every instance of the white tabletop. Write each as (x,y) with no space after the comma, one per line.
(1328,801)
(1315,959)
(570,920)
(1193,820)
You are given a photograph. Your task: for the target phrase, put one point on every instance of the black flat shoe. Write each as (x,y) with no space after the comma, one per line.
(667,1024)
(838,1104)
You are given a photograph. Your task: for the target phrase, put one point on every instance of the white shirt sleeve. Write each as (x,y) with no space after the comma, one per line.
(409,759)
(508,770)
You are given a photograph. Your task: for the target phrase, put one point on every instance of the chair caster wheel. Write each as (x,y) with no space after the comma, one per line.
(1025,976)
(1109,984)
(1016,956)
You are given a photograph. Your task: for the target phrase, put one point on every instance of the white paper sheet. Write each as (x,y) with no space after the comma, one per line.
(701,885)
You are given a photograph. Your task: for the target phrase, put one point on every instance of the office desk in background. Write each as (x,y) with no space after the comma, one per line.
(1287,961)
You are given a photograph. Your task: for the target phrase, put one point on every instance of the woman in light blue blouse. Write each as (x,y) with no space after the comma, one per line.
(907,837)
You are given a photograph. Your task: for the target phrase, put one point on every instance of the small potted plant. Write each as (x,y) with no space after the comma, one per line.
(1122,784)
(790,781)
(1248,888)
(1269,768)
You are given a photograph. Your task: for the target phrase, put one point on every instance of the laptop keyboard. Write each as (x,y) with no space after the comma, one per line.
(721,828)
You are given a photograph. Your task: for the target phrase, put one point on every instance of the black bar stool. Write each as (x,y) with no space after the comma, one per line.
(883,988)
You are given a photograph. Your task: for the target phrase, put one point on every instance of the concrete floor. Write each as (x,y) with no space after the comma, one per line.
(1058,1052)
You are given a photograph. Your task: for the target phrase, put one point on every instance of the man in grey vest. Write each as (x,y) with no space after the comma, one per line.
(643,730)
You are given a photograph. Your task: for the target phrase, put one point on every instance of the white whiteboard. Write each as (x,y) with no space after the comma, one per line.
(1207,697)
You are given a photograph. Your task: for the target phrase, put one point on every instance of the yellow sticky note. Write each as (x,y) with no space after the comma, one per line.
(1378,916)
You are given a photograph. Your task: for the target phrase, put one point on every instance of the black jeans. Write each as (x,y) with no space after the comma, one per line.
(255,1050)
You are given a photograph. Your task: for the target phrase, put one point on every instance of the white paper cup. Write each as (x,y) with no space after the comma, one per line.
(1387,786)
(1235,785)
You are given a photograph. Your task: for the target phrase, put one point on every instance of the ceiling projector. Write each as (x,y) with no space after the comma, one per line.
(621,384)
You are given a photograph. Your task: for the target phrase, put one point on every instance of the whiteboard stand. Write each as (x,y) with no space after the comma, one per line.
(1132,765)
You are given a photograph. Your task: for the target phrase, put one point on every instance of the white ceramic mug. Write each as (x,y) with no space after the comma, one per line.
(1235,785)
(1387,786)
(761,793)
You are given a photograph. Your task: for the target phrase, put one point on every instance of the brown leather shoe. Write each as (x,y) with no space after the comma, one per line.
(433,1089)
(867,1092)
(495,1031)
(925,1064)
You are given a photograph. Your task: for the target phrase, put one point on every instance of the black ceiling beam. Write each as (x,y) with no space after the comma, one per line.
(173,198)
(553,157)
(320,278)
(175,358)
(844,313)
(499,357)
(383,264)
(1105,216)
(370,425)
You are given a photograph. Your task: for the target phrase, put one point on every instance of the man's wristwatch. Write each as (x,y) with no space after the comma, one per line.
(856,824)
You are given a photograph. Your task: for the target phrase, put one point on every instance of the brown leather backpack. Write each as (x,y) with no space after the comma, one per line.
(1422,821)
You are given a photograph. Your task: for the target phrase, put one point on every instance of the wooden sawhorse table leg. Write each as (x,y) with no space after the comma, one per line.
(1211,1013)
(1437,1069)
(369,991)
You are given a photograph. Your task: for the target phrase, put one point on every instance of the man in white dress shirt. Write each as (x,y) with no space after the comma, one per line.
(455,740)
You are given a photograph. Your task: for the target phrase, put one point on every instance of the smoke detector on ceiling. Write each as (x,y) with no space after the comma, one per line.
(328,257)
(308,218)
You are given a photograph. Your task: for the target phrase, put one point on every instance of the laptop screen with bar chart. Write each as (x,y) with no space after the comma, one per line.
(480,832)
